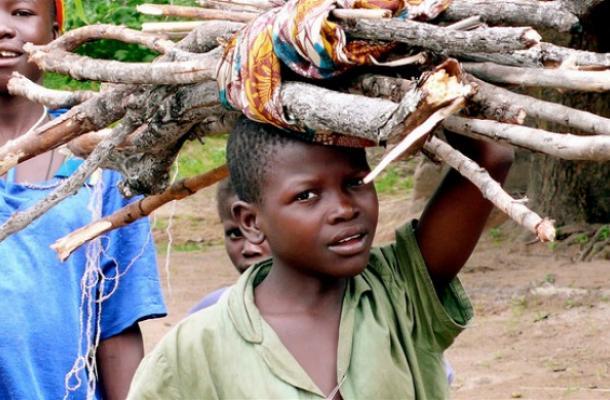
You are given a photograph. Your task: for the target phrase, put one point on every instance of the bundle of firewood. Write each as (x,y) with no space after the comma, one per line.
(437,72)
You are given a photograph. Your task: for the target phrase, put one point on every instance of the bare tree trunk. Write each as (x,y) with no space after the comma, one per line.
(568,191)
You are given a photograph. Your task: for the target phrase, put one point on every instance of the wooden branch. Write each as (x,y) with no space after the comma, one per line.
(374,120)
(258,4)
(139,209)
(488,104)
(19,85)
(382,86)
(179,26)
(194,12)
(108,106)
(414,140)
(443,40)
(72,39)
(207,34)
(546,55)
(222,5)
(495,97)
(467,24)
(160,73)
(589,81)
(492,190)
(543,14)
(21,219)
(357,13)
(94,114)
(566,146)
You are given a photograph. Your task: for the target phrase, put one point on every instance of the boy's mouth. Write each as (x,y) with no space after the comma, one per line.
(349,245)
(8,54)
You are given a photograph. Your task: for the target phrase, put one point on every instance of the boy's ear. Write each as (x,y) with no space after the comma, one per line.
(245,215)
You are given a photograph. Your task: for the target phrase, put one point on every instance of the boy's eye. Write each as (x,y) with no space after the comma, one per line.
(234,234)
(356,182)
(23,13)
(305,195)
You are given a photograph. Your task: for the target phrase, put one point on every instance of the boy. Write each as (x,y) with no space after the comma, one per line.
(242,253)
(326,316)
(54,312)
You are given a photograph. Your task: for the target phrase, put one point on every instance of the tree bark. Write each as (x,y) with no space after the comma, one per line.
(567,191)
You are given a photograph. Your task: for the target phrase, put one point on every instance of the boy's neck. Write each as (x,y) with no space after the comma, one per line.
(17,115)
(288,291)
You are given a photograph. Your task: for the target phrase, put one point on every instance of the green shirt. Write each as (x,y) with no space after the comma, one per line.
(393,331)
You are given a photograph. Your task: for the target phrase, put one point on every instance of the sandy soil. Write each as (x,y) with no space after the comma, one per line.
(542,329)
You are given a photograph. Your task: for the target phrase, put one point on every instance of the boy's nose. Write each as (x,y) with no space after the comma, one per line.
(6,32)
(344,209)
(251,250)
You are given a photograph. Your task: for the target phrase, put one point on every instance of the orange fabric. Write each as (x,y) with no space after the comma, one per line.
(59,14)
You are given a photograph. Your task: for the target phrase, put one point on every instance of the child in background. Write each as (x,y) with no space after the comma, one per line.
(327,316)
(242,253)
(53,312)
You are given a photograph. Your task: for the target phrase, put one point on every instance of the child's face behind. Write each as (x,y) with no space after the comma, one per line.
(23,21)
(316,213)
(242,253)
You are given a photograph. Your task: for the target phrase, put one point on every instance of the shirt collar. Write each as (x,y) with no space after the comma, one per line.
(252,328)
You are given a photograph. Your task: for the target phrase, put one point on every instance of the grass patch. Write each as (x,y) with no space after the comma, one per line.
(183,247)
(394,180)
(196,158)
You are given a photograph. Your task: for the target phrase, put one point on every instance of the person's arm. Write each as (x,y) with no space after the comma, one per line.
(117,360)
(454,218)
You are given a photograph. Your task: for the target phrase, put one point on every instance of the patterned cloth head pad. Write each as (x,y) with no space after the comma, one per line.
(300,35)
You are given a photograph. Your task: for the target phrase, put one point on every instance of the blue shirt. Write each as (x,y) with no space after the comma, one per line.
(208,300)
(42,298)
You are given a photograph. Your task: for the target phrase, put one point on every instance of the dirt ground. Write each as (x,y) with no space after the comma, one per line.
(542,326)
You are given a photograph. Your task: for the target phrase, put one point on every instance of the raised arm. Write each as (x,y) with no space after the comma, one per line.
(453,219)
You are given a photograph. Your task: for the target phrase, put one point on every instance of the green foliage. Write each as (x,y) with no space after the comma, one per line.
(116,12)
(393,181)
(496,235)
(582,238)
(550,278)
(603,233)
(196,158)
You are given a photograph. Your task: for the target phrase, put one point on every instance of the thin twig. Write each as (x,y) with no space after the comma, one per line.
(21,219)
(194,12)
(588,81)
(565,146)
(19,85)
(74,38)
(200,68)
(136,210)
(492,190)
(499,98)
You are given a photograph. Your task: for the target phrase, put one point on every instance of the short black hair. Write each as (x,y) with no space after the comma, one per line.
(249,150)
(224,193)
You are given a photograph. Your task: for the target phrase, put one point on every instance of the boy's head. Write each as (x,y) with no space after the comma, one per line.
(23,21)
(307,200)
(242,253)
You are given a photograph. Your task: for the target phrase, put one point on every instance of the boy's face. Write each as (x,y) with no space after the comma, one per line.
(242,253)
(23,21)
(315,212)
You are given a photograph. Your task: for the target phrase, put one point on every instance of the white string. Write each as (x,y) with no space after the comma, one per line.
(170,238)
(92,287)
